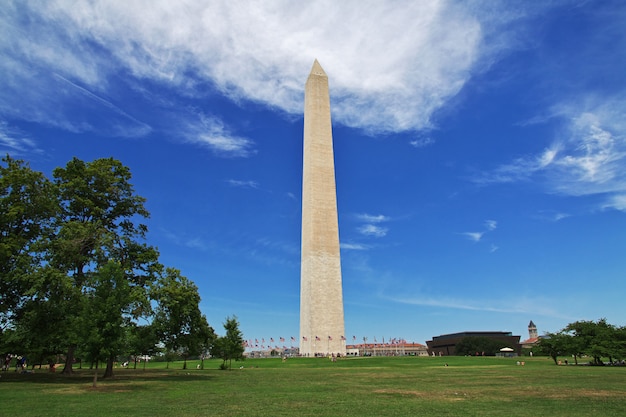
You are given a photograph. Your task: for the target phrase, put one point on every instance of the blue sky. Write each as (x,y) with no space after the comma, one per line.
(480,148)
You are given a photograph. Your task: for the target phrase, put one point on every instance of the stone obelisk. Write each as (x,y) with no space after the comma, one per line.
(321,297)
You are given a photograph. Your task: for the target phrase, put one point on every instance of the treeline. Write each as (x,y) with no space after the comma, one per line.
(78,278)
(478,345)
(593,339)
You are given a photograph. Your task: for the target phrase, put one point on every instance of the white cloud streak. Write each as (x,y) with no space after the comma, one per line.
(243,184)
(474,236)
(512,306)
(211,133)
(354,246)
(589,158)
(14,142)
(373,230)
(368,218)
(491,225)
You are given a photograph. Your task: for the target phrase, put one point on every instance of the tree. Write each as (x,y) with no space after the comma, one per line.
(98,224)
(179,324)
(596,339)
(554,345)
(231,345)
(142,342)
(106,314)
(471,344)
(27,206)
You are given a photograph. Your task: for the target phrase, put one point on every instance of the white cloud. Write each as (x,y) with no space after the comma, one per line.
(511,306)
(373,230)
(243,184)
(422,142)
(260,52)
(354,246)
(212,133)
(14,142)
(474,236)
(617,201)
(491,225)
(368,218)
(588,158)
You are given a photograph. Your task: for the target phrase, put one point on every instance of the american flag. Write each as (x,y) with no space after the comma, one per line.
(272,339)
(293,339)
(282,339)
(304,338)
(318,339)
(343,338)
(330,338)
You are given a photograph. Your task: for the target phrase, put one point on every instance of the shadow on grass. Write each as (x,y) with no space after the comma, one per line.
(85,376)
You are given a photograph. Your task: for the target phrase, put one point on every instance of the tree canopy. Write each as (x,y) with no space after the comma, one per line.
(596,339)
(77,273)
(231,345)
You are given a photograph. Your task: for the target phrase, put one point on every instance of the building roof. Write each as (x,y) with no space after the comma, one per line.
(472,334)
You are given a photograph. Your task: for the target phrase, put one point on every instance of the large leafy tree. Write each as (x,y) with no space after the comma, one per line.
(597,339)
(231,345)
(178,321)
(28,205)
(98,223)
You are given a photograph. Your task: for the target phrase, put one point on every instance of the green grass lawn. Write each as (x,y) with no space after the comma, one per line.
(318,387)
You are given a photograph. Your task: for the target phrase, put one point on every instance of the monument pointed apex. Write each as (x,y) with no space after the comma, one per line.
(317,69)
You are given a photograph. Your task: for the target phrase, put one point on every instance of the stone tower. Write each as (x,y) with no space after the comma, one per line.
(532,330)
(321,298)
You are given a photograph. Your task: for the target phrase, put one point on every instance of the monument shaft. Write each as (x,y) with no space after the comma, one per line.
(321,298)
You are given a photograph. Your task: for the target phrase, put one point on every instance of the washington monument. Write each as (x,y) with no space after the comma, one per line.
(321,300)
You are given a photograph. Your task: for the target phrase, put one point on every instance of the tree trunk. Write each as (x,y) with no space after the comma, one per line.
(95,379)
(69,360)
(108,372)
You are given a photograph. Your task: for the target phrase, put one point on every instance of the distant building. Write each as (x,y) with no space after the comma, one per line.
(533,337)
(400,348)
(446,343)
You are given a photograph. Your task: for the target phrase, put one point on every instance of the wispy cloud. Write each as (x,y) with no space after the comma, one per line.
(491,224)
(368,218)
(354,246)
(510,306)
(422,142)
(373,230)
(243,184)
(191,242)
(211,132)
(588,158)
(372,226)
(14,142)
(474,236)
(261,52)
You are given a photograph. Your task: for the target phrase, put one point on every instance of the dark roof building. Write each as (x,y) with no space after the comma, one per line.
(446,343)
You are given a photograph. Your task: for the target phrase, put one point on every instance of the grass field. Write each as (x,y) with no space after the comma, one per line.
(405,386)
